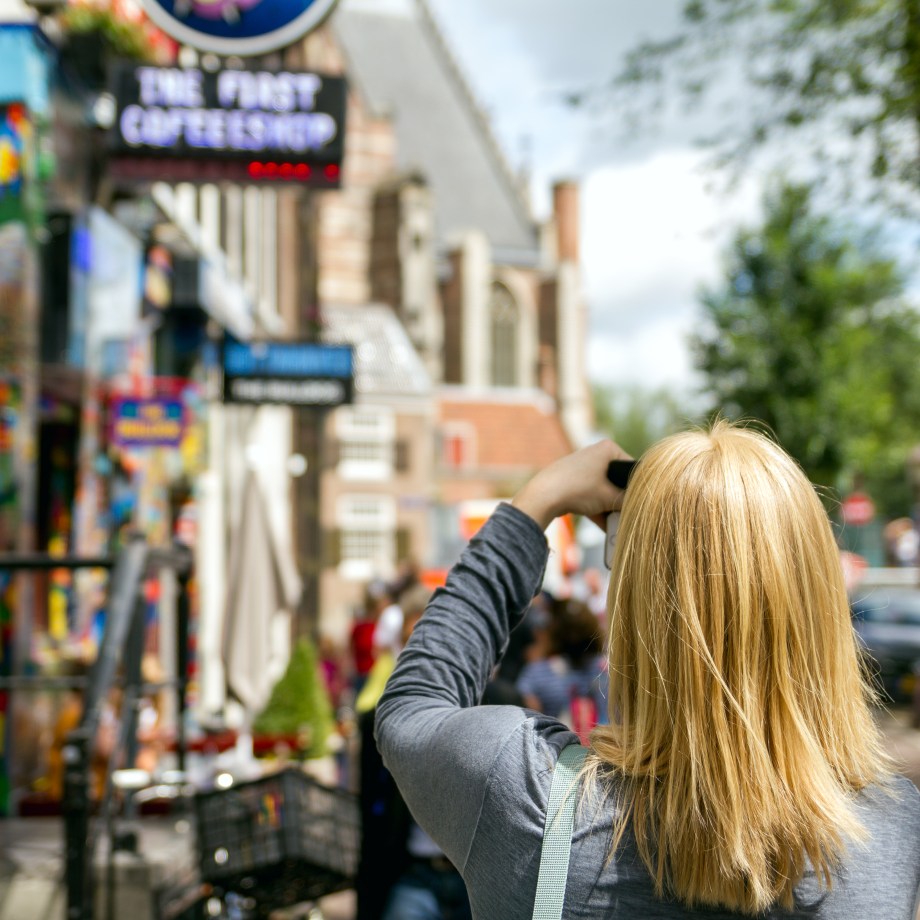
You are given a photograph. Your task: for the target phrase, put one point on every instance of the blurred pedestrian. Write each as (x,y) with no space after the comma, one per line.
(741,773)
(361,640)
(402,874)
(594,586)
(333,670)
(528,642)
(570,682)
(902,542)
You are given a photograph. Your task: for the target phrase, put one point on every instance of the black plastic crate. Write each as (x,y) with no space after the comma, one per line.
(283,839)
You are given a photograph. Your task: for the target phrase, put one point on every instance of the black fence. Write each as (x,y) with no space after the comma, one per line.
(118,663)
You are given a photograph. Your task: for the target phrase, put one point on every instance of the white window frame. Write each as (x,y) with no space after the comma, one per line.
(373,517)
(371,430)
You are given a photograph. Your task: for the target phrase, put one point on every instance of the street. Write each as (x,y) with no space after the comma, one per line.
(38,842)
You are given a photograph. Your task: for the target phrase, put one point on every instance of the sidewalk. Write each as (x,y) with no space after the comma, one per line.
(31,869)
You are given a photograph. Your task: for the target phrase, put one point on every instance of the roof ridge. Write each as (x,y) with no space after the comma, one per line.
(456,73)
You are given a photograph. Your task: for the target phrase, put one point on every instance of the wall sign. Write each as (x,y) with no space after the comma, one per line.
(257,125)
(147,423)
(288,373)
(239,27)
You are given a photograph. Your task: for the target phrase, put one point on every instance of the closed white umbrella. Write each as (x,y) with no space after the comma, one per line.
(263,587)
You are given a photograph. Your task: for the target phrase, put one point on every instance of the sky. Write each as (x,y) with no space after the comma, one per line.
(652,230)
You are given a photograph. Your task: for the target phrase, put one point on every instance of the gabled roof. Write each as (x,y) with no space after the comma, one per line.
(514,429)
(402,67)
(386,364)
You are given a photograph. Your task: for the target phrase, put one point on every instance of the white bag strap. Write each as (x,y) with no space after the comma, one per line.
(557,835)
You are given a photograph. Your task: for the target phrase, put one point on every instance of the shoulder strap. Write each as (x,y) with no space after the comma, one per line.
(557,835)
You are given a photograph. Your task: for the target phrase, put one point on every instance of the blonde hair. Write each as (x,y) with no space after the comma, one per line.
(740,725)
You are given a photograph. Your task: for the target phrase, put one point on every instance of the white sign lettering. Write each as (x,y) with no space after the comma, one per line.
(280,92)
(299,132)
(239,111)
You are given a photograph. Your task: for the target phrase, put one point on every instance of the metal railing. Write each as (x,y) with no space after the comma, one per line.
(121,649)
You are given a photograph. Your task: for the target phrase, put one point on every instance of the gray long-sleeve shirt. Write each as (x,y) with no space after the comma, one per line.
(477,778)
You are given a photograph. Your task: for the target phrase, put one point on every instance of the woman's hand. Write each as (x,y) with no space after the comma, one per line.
(575,484)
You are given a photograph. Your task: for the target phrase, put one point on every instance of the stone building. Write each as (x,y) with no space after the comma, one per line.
(432,228)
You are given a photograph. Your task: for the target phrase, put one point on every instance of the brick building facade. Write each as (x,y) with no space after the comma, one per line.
(481,379)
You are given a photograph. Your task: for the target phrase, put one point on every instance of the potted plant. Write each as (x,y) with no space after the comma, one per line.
(93,35)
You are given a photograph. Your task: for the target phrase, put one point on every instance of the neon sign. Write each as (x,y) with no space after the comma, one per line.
(278,125)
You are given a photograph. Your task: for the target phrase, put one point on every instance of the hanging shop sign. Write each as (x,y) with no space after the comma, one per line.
(237,27)
(194,125)
(140,423)
(288,373)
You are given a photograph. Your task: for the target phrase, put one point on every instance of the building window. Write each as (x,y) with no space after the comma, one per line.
(368,536)
(362,452)
(458,446)
(503,317)
(366,443)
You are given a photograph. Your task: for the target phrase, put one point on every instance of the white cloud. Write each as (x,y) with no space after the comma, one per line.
(652,235)
(652,232)
(651,356)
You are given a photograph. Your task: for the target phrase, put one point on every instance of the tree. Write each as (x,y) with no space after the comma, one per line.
(810,70)
(638,417)
(810,335)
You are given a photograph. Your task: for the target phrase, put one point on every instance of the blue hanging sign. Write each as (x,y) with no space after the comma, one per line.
(288,373)
(237,27)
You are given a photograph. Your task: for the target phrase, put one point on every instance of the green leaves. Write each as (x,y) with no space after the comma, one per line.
(805,70)
(124,38)
(808,334)
(635,417)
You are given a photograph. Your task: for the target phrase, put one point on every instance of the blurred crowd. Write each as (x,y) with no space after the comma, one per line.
(553,664)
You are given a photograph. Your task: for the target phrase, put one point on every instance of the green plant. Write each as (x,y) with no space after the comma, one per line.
(299,704)
(810,332)
(125,39)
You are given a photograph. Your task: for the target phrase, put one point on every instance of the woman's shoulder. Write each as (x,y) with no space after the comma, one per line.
(895,793)
(894,796)
(522,770)
(890,812)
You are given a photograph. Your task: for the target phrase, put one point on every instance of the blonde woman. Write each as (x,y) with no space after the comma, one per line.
(741,772)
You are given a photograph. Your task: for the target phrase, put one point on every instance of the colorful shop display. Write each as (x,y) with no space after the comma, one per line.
(23,166)
(7,605)
(15,142)
(10,412)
